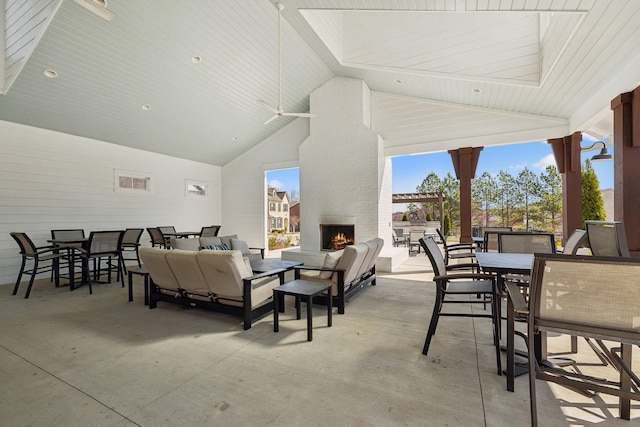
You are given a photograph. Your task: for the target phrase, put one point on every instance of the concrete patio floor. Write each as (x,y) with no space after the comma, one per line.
(74,359)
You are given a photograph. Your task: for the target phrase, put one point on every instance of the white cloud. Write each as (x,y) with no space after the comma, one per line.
(519,167)
(276,184)
(547,160)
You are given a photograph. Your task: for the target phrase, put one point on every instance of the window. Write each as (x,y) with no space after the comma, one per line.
(272,207)
(279,222)
(196,188)
(285,207)
(134,182)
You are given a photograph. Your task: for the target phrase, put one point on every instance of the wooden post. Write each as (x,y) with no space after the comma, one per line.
(566,151)
(626,157)
(465,161)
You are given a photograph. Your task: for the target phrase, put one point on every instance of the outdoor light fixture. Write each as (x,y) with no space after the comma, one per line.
(604,155)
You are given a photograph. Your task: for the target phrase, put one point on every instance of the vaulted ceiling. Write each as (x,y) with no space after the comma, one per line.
(442,72)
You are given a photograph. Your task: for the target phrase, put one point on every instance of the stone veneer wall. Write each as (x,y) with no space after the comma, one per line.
(344,177)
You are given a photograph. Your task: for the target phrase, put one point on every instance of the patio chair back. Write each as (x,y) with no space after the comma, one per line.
(211,231)
(607,238)
(526,243)
(27,248)
(575,241)
(70,234)
(490,235)
(156,237)
(588,296)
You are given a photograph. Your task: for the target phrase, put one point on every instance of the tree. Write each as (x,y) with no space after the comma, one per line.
(551,194)
(431,184)
(508,197)
(483,191)
(592,203)
(294,195)
(528,186)
(446,224)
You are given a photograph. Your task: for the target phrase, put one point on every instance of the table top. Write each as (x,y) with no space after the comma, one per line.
(183,233)
(264,265)
(303,288)
(505,262)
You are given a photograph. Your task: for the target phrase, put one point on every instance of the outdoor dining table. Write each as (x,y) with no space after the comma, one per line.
(70,245)
(183,234)
(500,263)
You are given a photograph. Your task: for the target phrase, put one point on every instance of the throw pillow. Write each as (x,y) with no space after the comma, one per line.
(330,261)
(240,245)
(226,240)
(205,247)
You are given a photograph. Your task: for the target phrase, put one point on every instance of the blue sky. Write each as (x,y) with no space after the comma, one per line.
(409,171)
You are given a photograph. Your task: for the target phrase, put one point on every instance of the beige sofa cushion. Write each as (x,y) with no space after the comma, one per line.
(223,271)
(155,261)
(184,265)
(330,261)
(350,261)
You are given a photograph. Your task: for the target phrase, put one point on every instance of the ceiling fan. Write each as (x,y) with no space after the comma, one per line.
(279,111)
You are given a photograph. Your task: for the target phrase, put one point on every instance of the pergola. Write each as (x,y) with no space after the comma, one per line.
(421,198)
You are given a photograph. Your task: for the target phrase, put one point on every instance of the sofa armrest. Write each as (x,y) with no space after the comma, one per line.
(265,274)
(261,251)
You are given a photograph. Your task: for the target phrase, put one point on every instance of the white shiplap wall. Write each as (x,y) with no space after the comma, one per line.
(51,180)
(244,189)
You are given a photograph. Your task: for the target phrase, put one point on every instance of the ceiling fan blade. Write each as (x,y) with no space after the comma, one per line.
(269,107)
(271,119)
(299,114)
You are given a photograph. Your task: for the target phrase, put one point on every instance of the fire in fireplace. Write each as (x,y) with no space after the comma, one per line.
(336,237)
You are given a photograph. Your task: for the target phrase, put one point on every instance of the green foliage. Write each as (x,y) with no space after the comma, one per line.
(592,203)
(446,224)
(405,217)
(551,195)
(429,217)
(273,243)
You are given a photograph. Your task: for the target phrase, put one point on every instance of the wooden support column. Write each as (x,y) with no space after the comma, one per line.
(465,161)
(567,154)
(626,157)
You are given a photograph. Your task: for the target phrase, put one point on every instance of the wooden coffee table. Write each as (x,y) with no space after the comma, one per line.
(301,289)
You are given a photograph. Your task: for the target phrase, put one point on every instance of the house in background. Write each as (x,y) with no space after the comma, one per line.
(278,215)
(294,217)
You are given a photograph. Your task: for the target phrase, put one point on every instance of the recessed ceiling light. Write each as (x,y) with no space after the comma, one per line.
(235,138)
(196,59)
(476,90)
(52,74)
(399,81)
(146,107)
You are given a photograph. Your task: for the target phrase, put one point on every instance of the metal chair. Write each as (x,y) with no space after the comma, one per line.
(167,232)
(102,244)
(130,245)
(574,242)
(157,238)
(414,239)
(210,231)
(450,286)
(398,237)
(68,234)
(607,238)
(490,237)
(456,250)
(588,296)
(526,242)
(44,254)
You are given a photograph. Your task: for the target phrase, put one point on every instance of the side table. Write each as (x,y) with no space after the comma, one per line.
(145,274)
(301,289)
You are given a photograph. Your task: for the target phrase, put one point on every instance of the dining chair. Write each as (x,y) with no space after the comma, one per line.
(71,235)
(157,238)
(210,231)
(414,239)
(45,259)
(589,296)
(523,242)
(130,245)
(490,237)
(452,287)
(398,237)
(456,250)
(101,245)
(607,238)
(167,234)
(574,242)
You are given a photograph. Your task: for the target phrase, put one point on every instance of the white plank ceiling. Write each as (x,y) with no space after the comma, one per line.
(444,73)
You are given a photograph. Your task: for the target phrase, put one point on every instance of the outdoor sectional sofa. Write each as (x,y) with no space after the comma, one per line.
(231,242)
(349,270)
(219,280)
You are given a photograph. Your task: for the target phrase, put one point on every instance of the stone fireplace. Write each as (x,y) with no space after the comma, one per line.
(334,237)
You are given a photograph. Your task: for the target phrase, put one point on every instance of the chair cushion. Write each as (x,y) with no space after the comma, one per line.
(240,245)
(330,261)
(210,241)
